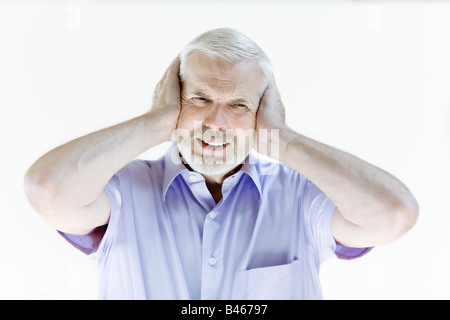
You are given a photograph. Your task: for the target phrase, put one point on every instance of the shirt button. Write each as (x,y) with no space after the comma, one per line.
(212,261)
(193,177)
(212,215)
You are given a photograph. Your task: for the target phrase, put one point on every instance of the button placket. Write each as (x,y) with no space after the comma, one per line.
(229,183)
(211,270)
(197,185)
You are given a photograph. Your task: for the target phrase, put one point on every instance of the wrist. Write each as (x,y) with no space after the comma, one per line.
(287,138)
(160,126)
(274,142)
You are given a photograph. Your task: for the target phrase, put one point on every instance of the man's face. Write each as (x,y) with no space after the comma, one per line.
(219,101)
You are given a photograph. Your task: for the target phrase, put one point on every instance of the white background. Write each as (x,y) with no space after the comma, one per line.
(371,78)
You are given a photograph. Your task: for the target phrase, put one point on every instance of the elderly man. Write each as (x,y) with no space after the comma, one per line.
(210,219)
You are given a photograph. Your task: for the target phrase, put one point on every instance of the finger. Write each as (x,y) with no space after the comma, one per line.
(273,85)
(175,63)
(170,73)
(272,82)
(172,80)
(173,69)
(270,91)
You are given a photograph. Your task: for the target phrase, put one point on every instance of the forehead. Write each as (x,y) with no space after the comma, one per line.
(201,72)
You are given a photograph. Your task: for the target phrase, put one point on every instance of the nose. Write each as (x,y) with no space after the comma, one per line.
(216,117)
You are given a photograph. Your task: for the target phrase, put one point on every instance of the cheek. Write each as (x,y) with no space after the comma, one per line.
(246,121)
(188,115)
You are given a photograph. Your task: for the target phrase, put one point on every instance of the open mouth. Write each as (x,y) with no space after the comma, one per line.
(213,145)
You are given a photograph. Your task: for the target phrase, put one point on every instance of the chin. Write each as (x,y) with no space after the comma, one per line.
(210,165)
(212,169)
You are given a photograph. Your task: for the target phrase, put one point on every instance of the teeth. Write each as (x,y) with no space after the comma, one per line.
(213,144)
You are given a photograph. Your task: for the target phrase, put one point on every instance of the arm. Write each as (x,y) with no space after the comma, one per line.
(66,185)
(372,206)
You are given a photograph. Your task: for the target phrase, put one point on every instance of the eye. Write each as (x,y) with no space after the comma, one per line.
(199,99)
(240,106)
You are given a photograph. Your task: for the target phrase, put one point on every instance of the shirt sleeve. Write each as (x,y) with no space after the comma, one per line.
(349,253)
(90,242)
(318,210)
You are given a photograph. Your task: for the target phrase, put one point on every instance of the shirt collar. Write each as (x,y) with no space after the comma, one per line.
(251,168)
(173,166)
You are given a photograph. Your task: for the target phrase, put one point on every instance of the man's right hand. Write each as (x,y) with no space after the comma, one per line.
(66,185)
(166,99)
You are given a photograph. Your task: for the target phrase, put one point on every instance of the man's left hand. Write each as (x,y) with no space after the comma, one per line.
(270,122)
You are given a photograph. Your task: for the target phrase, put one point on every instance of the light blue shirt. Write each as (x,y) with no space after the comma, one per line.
(168,239)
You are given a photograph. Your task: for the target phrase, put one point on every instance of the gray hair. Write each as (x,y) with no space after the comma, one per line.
(229,45)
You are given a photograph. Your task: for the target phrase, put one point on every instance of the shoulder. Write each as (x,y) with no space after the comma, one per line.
(273,171)
(142,170)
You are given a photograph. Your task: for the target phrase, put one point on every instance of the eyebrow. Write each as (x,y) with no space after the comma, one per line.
(201,93)
(241,101)
(233,101)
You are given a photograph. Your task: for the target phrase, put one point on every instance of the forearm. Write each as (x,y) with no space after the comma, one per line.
(363,193)
(372,206)
(77,171)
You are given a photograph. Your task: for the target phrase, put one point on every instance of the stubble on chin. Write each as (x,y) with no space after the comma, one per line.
(210,162)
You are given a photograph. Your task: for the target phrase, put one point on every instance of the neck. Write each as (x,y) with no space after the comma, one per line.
(214,182)
(218,179)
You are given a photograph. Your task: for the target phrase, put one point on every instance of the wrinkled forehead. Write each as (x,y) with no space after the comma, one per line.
(202,72)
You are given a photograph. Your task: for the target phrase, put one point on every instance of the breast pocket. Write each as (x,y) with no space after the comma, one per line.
(271,283)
